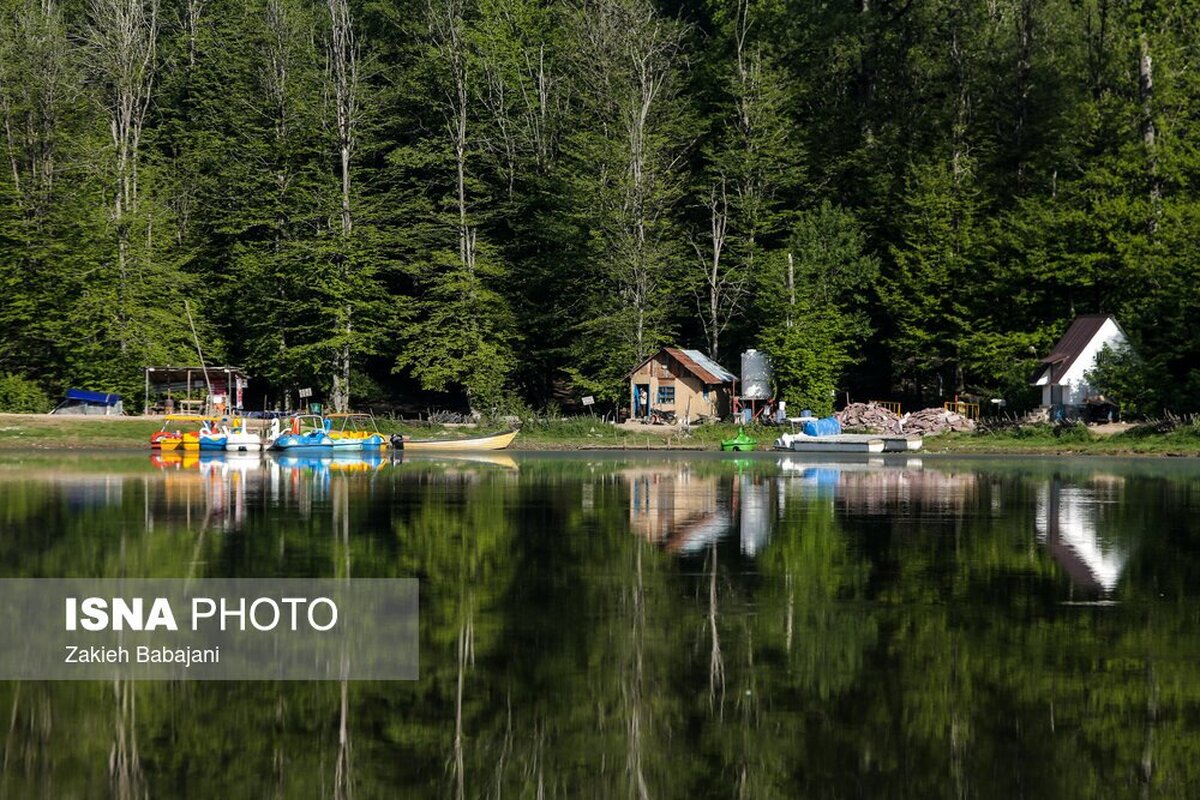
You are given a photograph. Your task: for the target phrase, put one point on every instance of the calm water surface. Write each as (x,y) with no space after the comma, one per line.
(607,626)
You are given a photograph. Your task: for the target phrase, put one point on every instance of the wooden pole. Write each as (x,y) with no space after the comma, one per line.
(196,340)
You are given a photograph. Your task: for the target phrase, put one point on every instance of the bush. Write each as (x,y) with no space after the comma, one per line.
(20,395)
(1124,377)
(1077,433)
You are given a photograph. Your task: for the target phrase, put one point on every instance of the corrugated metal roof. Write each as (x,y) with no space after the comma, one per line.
(1072,344)
(696,363)
(716,370)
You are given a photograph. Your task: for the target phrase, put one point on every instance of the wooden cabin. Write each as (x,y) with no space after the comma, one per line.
(1062,375)
(685,382)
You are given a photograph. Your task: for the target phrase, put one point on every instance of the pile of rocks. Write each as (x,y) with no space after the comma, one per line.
(868,418)
(932,421)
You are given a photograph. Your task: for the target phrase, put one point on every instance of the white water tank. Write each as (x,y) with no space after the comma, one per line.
(756,375)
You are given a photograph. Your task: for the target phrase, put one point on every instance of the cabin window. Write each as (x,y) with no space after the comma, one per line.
(666,395)
(706,394)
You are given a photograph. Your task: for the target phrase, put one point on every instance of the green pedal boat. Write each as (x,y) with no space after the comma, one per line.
(740,443)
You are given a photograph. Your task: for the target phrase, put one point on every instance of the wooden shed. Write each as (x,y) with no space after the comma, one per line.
(686,382)
(194,390)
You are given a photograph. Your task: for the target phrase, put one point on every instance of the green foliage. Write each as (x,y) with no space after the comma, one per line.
(20,395)
(1124,377)
(1005,164)
(929,291)
(812,302)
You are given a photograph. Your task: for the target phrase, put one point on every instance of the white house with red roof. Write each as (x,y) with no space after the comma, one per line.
(1063,374)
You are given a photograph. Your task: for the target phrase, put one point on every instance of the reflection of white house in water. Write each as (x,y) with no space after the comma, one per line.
(754,501)
(1067,522)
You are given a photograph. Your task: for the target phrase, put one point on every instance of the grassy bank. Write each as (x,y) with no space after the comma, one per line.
(1041,439)
(582,433)
(48,432)
(45,431)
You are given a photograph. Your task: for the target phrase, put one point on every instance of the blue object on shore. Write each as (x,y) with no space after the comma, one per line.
(825,426)
(99,398)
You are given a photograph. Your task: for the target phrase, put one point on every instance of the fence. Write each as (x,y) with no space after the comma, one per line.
(968,410)
(890,405)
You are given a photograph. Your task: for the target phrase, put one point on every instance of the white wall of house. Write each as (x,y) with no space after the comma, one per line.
(1075,388)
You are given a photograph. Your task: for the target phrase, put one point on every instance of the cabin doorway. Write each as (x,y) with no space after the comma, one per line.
(641,400)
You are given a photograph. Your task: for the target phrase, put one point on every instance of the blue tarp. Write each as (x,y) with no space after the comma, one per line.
(101,398)
(826,426)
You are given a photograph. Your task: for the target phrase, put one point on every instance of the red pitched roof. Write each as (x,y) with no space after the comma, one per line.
(1072,344)
(688,363)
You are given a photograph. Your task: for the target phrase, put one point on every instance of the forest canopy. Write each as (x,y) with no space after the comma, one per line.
(508,203)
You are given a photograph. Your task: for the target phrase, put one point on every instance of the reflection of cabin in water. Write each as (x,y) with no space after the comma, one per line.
(1067,522)
(685,382)
(684,512)
(675,508)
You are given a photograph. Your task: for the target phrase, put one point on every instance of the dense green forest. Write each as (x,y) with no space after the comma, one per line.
(506,202)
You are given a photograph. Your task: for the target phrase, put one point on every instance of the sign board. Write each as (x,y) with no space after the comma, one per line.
(305,393)
(589,401)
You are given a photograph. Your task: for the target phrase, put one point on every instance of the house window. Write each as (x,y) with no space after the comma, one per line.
(666,396)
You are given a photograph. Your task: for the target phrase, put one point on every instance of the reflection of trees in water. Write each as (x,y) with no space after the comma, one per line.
(343,774)
(716,664)
(466,656)
(860,653)
(124,761)
(633,681)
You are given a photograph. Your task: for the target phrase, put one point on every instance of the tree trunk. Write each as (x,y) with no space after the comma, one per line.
(123,37)
(343,74)
(1149,133)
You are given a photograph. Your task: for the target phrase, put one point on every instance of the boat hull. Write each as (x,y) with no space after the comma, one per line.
(497,441)
(844,443)
(202,441)
(166,441)
(372,441)
(303,441)
(837,447)
(892,443)
(243,443)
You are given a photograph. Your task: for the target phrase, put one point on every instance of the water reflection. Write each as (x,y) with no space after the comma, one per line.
(1071,524)
(619,625)
(685,507)
(681,506)
(677,508)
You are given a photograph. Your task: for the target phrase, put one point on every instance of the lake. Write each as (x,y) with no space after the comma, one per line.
(606,625)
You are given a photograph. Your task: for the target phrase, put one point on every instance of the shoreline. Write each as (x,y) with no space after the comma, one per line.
(43,432)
